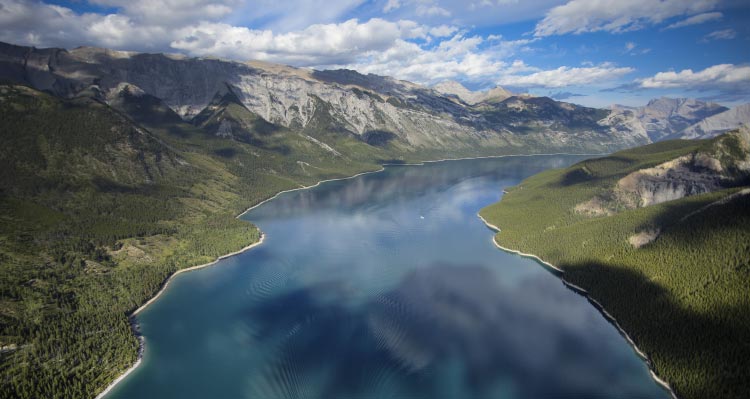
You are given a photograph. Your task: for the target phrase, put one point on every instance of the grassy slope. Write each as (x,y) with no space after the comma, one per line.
(683,298)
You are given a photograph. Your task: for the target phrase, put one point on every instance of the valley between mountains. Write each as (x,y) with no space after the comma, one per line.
(117,169)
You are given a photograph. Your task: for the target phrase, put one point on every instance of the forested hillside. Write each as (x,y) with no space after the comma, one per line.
(674,273)
(97,210)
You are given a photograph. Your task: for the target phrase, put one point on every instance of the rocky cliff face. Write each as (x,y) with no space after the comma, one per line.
(722,163)
(361,105)
(688,175)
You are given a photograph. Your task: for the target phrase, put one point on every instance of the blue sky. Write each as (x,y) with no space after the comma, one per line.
(592,52)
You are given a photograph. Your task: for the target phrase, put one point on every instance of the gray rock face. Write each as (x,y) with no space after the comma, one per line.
(721,163)
(719,123)
(421,117)
(662,184)
(662,117)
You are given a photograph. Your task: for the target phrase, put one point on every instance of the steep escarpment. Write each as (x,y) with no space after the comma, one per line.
(720,164)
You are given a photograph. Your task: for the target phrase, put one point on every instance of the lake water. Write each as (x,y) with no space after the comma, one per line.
(386,285)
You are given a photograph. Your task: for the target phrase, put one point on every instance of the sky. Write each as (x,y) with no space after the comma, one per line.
(590,52)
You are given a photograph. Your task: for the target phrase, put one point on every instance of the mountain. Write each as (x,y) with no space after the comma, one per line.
(663,117)
(423,120)
(657,238)
(718,123)
(453,88)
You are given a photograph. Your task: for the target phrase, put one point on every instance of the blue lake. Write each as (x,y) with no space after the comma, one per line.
(386,285)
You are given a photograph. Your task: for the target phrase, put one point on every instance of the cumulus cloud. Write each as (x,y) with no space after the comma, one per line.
(39,24)
(696,19)
(728,77)
(456,58)
(442,31)
(566,76)
(580,16)
(325,44)
(402,48)
(391,5)
(432,10)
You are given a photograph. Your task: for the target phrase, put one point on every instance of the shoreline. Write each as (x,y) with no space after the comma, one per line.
(597,305)
(134,323)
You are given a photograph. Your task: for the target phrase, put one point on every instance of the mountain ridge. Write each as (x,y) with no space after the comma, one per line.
(420,116)
(664,117)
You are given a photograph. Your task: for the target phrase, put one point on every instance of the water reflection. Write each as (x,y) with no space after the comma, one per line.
(384,286)
(400,184)
(445,331)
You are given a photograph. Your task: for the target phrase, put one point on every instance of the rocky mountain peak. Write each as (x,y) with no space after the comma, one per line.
(453,88)
(665,117)
(714,125)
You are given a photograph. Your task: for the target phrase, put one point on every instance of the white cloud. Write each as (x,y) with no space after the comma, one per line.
(432,10)
(443,31)
(325,44)
(724,34)
(172,12)
(566,76)
(473,59)
(392,5)
(696,19)
(580,16)
(375,45)
(718,77)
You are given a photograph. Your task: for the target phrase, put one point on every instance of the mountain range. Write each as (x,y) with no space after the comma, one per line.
(446,118)
(679,118)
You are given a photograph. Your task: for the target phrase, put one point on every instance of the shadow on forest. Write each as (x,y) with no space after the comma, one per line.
(698,353)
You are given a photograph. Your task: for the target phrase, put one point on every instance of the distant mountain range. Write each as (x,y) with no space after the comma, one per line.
(671,118)
(409,118)
(448,120)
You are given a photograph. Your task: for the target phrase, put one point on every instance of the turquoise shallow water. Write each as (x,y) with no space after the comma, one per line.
(386,285)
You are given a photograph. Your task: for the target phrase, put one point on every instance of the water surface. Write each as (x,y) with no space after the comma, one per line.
(384,286)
